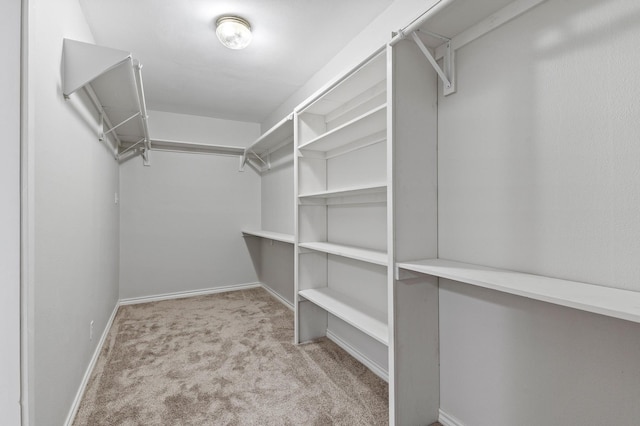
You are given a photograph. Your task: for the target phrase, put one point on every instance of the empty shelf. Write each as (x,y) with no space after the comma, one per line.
(353,312)
(278,135)
(622,304)
(276,236)
(372,122)
(347,192)
(200,148)
(364,255)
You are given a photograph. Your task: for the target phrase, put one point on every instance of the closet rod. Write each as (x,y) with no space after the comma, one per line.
(419,21)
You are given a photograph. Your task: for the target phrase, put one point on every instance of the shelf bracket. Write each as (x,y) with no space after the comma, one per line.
(403,274)
(447,75)
(145,157)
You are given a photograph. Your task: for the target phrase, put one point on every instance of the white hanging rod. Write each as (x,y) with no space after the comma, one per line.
(419,21)
(192,147)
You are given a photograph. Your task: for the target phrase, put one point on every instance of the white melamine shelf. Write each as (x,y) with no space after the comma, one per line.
(285,238)
(347,192)
(357,253)
(369,123)
(193,147)
(350,310)
(622,304)
(277,136)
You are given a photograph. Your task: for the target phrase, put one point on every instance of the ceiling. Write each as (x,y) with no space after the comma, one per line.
(186,70)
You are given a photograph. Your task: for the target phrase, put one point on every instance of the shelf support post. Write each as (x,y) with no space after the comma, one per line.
(448,74)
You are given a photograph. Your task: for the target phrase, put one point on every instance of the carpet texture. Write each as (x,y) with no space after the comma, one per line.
(225,359)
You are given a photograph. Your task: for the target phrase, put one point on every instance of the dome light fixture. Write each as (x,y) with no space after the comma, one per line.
(233,32)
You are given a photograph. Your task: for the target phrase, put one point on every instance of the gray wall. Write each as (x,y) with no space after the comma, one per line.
(275,268)
(72,225)
(538,172)
(181,217)
(10,214)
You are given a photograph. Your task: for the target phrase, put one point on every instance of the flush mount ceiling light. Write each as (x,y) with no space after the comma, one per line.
(233,32)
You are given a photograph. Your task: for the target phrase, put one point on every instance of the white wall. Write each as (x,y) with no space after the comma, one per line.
(72,220)
(181,217)
(374,36)
(10,17)
(538,172)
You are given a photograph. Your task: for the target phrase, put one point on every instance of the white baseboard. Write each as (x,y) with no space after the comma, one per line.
(447,419)
(377,370)
(278,297)
(92,363)
(183,294)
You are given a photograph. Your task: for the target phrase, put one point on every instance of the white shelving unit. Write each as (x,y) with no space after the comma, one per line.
(613,302)
(341,214)
(272,246)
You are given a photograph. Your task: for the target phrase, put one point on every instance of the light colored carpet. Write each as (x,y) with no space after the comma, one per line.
(225,359)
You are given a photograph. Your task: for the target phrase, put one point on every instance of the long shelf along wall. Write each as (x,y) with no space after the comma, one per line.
(341,254)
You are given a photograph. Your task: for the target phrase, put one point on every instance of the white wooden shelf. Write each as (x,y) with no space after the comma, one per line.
(622,304)
(113,82)
(346,192)
(357,253)
(276,236)
(369,123)
(350,310)
(274,138)
(199,148)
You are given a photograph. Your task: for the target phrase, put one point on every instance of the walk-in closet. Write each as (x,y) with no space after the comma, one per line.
(402,212)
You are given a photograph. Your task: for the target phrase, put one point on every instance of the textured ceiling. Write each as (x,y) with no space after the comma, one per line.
(186,70)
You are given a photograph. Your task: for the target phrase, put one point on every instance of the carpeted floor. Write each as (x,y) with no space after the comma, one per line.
(225,359)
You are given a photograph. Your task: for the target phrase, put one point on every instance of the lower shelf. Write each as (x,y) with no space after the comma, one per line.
(353,312)
(613,302)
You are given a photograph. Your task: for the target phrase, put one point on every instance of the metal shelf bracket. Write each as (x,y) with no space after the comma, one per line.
(447,75)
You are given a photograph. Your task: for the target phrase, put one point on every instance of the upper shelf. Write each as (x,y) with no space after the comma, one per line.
(371,123)
(364,255)
(623,304)
(276,236)
(112,79)
(275,138)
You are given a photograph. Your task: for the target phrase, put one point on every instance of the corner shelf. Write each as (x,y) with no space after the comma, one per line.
(113,82)
(273,139)
(612,302)
(353,312)
(276,236)
(365,255)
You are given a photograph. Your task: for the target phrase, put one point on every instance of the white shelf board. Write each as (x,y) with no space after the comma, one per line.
(350,310)
(371,122)
(278,135)
(276,236)
(347,192)
(617,303)
(357,253)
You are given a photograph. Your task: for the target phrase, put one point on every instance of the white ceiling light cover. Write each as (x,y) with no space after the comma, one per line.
(233,32)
